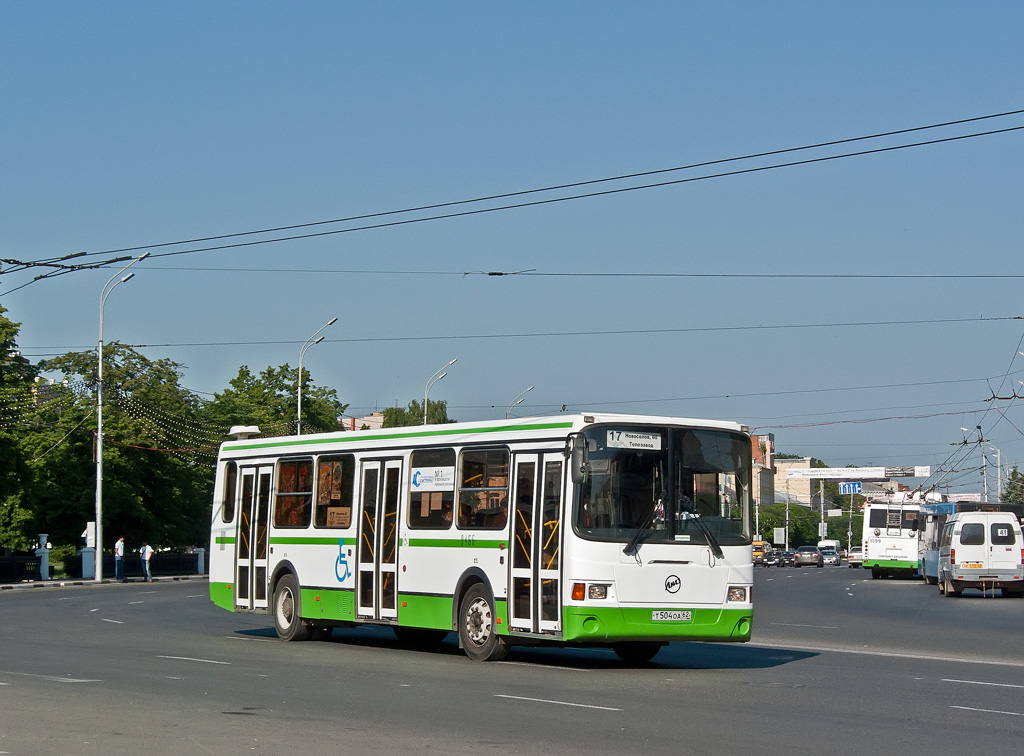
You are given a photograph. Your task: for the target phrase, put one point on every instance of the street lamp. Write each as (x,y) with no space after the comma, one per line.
(309,342)
(517,400)
(433,379)
(104,293)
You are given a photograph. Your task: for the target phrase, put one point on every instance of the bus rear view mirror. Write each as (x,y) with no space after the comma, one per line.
(578,459)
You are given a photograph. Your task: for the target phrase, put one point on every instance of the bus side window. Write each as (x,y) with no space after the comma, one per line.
(335,477)
(293,504)
(227,510)
(483,489)
(432,489)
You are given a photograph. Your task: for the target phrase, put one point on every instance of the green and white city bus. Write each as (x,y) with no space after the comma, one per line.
(890,538)
(594,530)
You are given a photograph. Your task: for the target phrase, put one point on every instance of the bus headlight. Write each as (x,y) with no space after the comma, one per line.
(598,592)
(737,593)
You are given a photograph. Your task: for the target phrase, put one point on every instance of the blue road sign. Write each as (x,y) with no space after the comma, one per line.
(849,488)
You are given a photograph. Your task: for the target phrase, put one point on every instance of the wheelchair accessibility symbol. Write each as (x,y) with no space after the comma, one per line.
(341,568)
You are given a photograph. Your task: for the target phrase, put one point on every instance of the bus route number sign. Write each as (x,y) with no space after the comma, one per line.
(621,439)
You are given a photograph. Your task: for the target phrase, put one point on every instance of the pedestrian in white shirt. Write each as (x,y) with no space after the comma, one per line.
(146,552)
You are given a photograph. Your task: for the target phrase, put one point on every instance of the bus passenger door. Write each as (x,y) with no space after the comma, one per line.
(253,504)
(535,568)
(376,577)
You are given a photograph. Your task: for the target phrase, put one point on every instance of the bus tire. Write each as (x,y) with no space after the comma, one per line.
(636,652)
(478,634)
(287,611)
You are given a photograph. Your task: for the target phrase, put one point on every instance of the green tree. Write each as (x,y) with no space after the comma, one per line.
(398,417)
(1013,493)
(270,400)
(157,472)
(16,401)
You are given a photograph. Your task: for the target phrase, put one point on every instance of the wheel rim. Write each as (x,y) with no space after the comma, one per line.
(286,607)
(478,621)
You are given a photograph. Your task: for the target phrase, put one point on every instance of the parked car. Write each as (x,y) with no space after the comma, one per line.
(808,555)
(830,557)
(856,556)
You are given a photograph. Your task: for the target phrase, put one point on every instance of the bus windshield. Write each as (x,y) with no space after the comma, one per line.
(672,485)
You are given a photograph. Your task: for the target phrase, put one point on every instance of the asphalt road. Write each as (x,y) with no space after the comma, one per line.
(841,664)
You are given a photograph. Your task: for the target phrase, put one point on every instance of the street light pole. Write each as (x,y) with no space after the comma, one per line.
(517,400)
(104,293)
(309,342)
(433,379)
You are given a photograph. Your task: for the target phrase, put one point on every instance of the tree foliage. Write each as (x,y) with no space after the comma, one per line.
(398,417)
(16,384)
(154,486)
(270,400)
(1013,493)
(159,442)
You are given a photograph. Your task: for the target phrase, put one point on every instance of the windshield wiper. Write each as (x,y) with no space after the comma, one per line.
(634,542)
(716,548)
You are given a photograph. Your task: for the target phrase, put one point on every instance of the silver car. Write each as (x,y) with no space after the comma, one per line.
(810,556)
(830,557)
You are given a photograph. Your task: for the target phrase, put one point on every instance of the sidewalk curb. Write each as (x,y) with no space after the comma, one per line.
(75,583)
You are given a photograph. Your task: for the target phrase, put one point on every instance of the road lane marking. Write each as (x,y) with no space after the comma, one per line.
(894,654)
(246,638)
(557,703)
(51,678)
(793,624)
(190,658)
(980,682)
(196,595)
(544,666)
(116,622)
(989,711)
(135,602)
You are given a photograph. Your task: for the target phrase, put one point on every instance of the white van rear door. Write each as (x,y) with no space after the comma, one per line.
(1004,544)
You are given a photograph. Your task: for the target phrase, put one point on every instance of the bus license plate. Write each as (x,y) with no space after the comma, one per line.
(660,615)
(971,566)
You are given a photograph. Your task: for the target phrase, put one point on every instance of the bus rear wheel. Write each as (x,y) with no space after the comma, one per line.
(478,634)
(636,652)
(287,611)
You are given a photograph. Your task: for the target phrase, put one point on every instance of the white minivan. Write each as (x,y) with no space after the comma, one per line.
(983,550)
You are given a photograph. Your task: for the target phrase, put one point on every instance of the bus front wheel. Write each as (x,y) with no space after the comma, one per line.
(287,619)
(478,634)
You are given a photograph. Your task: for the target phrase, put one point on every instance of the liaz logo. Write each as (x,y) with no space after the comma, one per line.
(672,583)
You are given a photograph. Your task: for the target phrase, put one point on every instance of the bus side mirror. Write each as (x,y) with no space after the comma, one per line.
(578,465)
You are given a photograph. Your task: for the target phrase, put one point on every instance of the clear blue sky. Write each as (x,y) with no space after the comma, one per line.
(128,124)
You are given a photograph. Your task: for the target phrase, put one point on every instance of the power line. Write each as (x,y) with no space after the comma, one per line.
(57,262)
(564,334)
(555,187)
(582,274)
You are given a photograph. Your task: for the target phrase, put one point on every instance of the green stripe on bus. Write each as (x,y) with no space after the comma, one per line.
(456,543)
(346,439)
(225,539)
(892,564)
(303,541)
